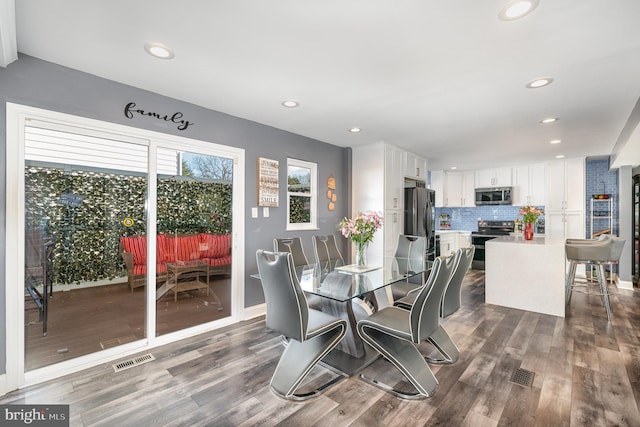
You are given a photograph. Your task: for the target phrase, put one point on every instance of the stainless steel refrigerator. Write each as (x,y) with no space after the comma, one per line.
(419,214)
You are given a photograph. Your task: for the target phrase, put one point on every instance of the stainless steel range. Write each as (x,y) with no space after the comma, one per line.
(488,230)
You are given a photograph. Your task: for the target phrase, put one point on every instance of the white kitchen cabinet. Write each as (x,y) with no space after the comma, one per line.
(415,167)
(393,178)
(529,185)
(498,177)
(464,239)
(391,230)
(448,243)
(565,198)
(437,185)
(377,167)
(458,189)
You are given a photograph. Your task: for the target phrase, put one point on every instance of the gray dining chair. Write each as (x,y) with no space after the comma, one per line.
(604,250)
(450,303)
(452,298)
(293,245)
(326,253)
(410,252)
(310,334)
(395,333)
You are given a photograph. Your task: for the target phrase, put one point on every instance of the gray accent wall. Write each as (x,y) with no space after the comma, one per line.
(33,82)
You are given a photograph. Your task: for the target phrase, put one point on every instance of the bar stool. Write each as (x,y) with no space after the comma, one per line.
(604,250)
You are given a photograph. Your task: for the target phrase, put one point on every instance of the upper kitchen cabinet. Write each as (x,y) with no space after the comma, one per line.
(453,189)
(437,184)
(500,177)
(528,185)
(415,167)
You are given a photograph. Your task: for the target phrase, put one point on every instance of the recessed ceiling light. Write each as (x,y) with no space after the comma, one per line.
(158,50)
(454,167)
(355,130)
(541,82)
(549,120)
(555,141)
(516,9)
(290,103)
(560,156)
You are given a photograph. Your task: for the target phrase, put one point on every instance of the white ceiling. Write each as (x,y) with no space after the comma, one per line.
(444,79)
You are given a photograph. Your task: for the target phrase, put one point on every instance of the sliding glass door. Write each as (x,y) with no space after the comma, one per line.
(194,229)
(119,238)
(83,195)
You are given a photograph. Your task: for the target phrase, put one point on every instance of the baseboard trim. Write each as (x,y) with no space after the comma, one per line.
(624,284)
(255,311)
(3,385)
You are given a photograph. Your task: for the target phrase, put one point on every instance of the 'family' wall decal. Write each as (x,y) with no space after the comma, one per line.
(130,109)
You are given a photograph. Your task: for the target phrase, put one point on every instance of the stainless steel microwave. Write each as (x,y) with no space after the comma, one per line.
(493,196)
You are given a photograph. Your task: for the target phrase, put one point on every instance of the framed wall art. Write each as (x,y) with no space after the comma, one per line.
(268,182)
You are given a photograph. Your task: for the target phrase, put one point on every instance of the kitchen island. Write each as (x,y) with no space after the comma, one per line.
(526,274)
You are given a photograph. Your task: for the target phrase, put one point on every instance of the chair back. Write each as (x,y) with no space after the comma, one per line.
(425,313)
(326,253)
(293,245)
(410,246)
(452,298)
(287,309)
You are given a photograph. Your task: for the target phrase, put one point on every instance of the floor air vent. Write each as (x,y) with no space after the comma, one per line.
(133,362)
(522,377)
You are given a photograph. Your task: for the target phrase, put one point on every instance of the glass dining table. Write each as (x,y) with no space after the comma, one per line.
(353,293)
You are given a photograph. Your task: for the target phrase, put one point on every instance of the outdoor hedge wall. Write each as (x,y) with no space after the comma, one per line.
(87,230)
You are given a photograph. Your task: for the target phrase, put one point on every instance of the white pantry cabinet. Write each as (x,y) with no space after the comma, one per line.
(375,167)
(565,198)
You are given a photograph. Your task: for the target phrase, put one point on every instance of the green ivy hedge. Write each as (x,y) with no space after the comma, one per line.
(87,234)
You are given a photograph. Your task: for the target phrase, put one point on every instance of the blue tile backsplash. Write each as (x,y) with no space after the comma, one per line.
(467,218)
(598,181)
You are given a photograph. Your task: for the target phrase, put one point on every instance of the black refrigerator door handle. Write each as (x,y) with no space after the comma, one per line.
(428,220)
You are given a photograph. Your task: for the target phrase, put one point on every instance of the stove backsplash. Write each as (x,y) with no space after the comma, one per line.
(467,218)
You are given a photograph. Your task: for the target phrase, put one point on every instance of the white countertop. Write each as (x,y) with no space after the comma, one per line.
(537,240)
(453,231)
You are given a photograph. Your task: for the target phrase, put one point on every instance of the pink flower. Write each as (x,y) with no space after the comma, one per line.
(362,227)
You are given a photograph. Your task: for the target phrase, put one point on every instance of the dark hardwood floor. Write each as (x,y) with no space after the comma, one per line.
(587,373)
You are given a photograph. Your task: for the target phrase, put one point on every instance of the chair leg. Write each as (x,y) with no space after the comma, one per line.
(571,276)
(602,281)
(445,346)
(406,357)
(298,359)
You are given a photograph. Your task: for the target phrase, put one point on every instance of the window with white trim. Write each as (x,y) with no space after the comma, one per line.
(302,189)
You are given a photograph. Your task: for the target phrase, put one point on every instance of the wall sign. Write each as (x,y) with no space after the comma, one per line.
(130,110)
(268,182)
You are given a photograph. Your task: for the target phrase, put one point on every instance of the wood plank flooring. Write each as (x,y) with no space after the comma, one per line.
(86,320)
(587,373)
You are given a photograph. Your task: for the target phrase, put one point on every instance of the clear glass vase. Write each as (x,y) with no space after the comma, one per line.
(361,255)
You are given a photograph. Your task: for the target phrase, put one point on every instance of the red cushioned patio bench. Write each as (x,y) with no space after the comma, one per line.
(214,249)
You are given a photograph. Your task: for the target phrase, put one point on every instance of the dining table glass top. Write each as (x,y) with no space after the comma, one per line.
(332,279)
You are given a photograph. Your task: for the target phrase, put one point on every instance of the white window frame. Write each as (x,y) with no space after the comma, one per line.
(313,223)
